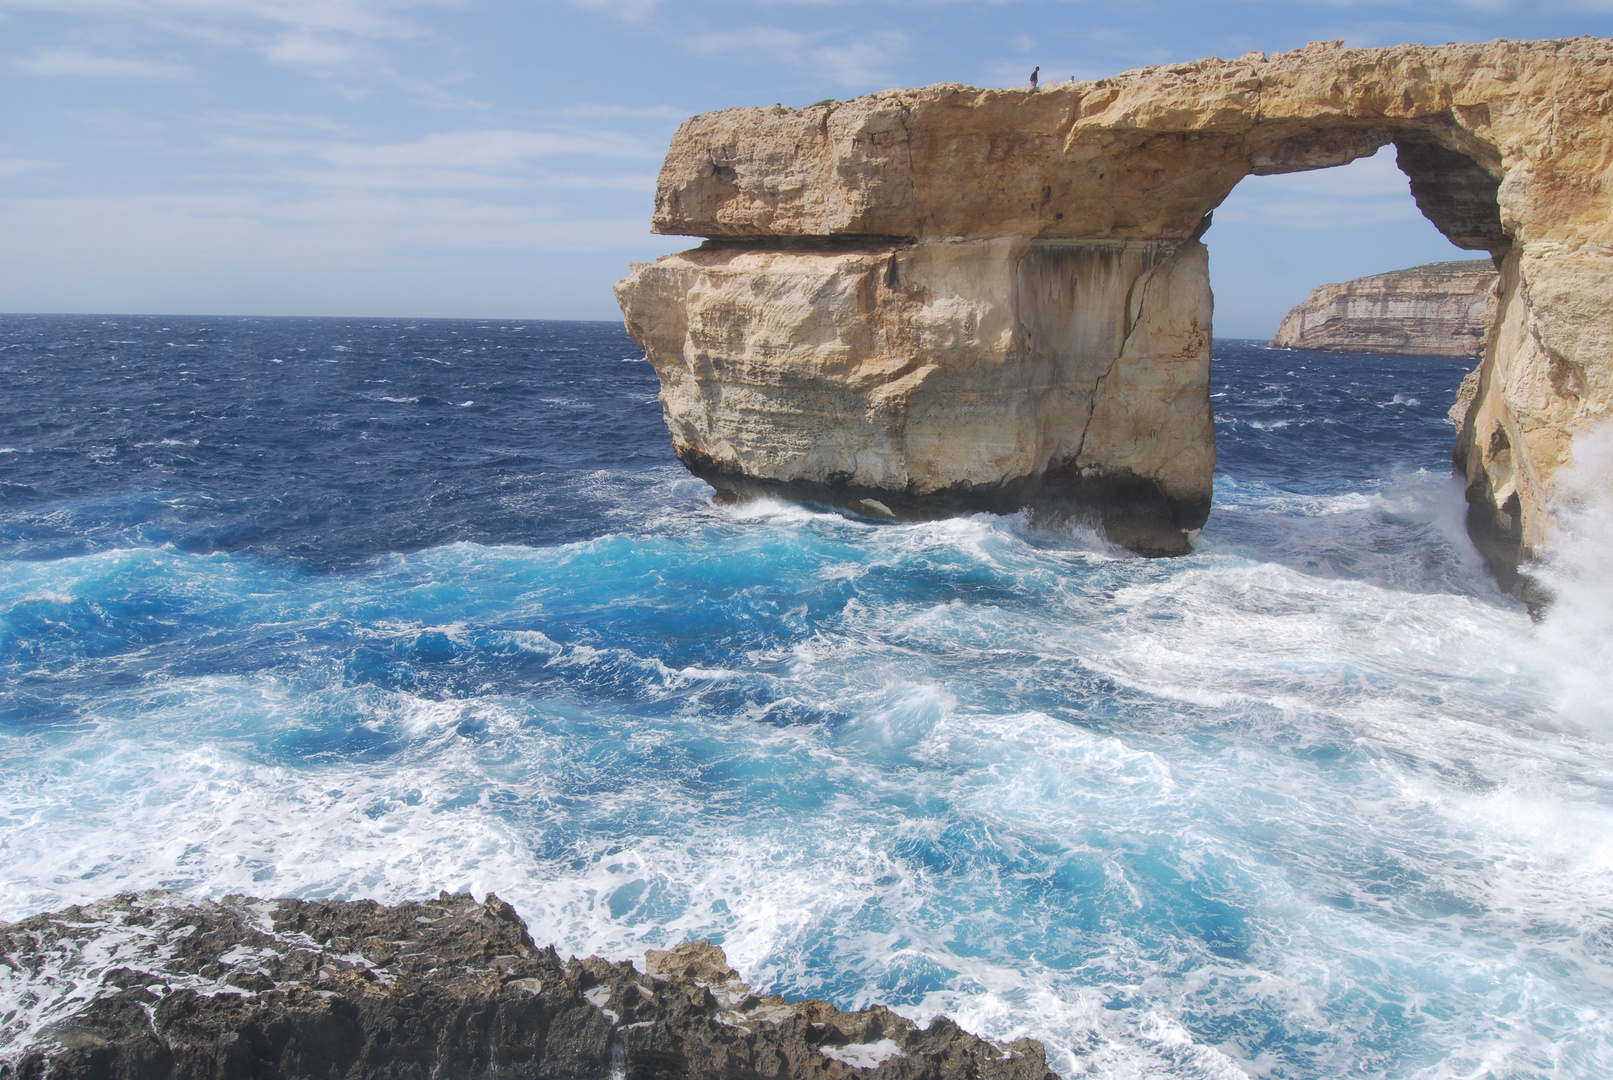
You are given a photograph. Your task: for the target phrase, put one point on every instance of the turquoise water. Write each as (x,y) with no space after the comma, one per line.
(357,608)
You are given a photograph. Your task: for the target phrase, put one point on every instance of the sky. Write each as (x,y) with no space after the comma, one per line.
(497,158)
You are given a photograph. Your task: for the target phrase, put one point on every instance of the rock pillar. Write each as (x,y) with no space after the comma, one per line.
(916,379)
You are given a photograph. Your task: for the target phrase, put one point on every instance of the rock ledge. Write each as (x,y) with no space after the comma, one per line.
(161,986)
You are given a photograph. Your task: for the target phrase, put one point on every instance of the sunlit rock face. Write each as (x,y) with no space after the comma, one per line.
(907,295)
(918,379)
(1439,309)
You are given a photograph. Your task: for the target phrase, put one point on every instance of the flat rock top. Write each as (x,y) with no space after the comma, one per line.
(1457,268)
(160,985)
(1464,277)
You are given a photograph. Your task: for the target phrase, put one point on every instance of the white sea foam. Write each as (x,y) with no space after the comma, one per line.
(864,1055)
(1219,815)
(1576,637)
(773,512)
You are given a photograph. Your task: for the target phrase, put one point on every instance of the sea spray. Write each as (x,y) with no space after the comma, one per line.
(1575,637)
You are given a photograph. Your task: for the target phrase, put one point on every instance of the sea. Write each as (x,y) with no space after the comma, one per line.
(380,607)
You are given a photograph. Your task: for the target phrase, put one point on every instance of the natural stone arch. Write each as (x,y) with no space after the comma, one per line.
(944,298)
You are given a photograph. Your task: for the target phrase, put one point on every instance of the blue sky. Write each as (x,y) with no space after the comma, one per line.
(492,158)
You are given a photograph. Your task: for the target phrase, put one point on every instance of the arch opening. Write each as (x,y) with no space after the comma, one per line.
(1343,415)
(1279,235)
(1456,191)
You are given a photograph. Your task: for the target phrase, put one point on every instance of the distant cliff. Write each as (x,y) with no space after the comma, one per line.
(1437,309)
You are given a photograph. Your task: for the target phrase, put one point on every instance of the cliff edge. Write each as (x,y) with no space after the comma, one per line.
(158,987)
(1437,309)
(948,298)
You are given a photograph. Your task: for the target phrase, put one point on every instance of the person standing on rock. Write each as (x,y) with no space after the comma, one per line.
(1036,71)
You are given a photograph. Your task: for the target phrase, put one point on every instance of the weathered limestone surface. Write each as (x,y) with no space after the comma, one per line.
(1438,309)
(917,379)
(1507,146)
(159,987)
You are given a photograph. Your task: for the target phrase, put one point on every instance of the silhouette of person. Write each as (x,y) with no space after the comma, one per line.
(1034,74)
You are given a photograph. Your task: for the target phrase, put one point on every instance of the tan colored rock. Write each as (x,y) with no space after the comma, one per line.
(934,378)
(1507,146)
(1438,309)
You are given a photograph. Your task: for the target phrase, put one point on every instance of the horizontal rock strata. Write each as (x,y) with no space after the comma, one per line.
(1438,309)
(158,986)
(911,379)
(951,204)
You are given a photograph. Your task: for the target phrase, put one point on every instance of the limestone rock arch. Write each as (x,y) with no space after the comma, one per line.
(945,298)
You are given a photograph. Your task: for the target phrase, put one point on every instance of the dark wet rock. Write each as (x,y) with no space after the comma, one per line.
(162,986)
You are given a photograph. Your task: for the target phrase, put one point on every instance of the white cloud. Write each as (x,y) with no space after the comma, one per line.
(626,10)
(864,61)
(319,54)
(341,254)
(339,40)
(374,19)
(352,231)
(650,112)
(858,63)
(71,61)
(1367,191)
(485,160)
(489,149)
(16,166)
(247,120)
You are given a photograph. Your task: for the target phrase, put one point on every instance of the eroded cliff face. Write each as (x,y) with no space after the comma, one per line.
(844,384)
(1440,309)
(910,379)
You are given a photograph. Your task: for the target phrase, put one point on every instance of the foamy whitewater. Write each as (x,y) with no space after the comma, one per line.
(359,608)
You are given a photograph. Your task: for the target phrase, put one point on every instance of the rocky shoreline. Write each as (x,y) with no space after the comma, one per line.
(162,986)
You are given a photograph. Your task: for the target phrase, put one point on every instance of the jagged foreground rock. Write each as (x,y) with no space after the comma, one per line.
(159,986)
(1437,309)
(953,297)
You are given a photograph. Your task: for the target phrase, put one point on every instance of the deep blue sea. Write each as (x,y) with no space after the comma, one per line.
(373,608)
